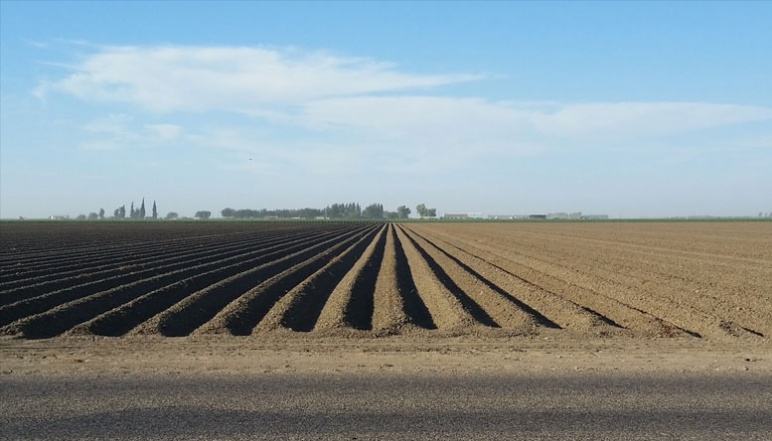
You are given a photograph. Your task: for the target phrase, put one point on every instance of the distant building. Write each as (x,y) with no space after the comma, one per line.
(463,216)
(506,216)
(573,216)
(551,216)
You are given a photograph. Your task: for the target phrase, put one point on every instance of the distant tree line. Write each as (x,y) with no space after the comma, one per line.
(92,215)
(138,214)
(303,213)
(120,213)
(350,210)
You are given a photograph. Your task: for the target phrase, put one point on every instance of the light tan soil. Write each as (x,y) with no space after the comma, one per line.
(710,280)
(551,352)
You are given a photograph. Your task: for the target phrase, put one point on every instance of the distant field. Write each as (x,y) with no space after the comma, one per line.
(671,279)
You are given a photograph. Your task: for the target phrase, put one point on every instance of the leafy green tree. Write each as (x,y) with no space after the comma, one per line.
(337,211)
(228,212)
(373,211)
(93,216)
(247,214)
(101,213)
(172,215)
(403,212)
(306,213)
(81,217)
(426,212)
(203,215)
(120,212)
(421,210)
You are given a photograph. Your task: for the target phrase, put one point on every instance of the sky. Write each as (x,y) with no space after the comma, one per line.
(630,109)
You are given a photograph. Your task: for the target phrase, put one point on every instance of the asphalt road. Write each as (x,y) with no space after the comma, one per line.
(386,406)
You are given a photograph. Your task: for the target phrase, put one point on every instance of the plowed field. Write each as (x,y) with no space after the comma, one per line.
(691,280)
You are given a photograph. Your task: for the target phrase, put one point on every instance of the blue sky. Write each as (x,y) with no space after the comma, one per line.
(629,109)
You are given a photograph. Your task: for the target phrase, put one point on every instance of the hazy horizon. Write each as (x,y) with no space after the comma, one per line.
(630,109)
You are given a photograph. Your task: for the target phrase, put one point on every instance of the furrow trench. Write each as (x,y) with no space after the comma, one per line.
(447,312)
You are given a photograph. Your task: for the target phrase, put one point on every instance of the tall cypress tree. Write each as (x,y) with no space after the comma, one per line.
(142,209)
(155,211)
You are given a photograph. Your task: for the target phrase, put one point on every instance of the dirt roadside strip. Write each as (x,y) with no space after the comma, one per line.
(552,351)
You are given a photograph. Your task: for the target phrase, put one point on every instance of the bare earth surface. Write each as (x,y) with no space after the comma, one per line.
(406,331)
(707,280)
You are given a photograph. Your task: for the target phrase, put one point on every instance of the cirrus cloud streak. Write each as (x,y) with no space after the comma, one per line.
(185,78)
(365,107)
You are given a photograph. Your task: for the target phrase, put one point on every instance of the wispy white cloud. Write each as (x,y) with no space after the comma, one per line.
(368,113)
(475,117)
(37,44)
(628,119)
(252,150)
(172,78)
(100,145)
(116,125)
(464,128)
(116,131)
(164,132)
(109,132)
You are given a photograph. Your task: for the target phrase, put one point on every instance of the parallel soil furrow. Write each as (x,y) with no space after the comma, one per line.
(497,304)
(118,244)
(122,320)
(559,310)
(447,311)
(83,270)
(711,291)
(389,314)
(351,304)
(627,316)
(498,299)
(40,324)
(686,318)
(397,305)
(88,253)
(242,314)
(148,280)
(300,308)
(132,270)
(205,305)
(461,297)
(664,295)
(354,279)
